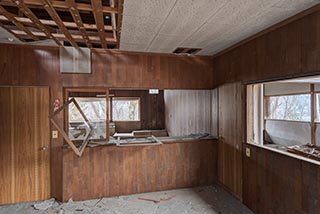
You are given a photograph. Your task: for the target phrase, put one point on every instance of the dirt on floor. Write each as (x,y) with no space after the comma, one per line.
(200,200)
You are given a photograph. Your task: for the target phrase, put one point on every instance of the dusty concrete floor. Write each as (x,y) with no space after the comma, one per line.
(202,200)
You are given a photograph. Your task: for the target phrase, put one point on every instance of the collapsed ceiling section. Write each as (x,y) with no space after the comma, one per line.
(210,25)
(77,23)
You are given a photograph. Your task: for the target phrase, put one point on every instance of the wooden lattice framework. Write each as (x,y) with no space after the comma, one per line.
(77,23)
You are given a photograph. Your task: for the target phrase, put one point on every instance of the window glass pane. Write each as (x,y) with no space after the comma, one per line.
(293,107)
(95,110)
(125,109)
(317,109)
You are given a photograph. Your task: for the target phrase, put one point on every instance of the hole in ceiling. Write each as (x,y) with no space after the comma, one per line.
(182,51)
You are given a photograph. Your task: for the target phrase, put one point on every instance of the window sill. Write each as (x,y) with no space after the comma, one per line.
(284,152)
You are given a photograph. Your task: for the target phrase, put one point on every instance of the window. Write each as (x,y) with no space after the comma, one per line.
(125,109)
(292,107)
(317,108)
(95,110)
(281,113)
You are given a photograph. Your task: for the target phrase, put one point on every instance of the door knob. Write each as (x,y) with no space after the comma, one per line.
(44,148)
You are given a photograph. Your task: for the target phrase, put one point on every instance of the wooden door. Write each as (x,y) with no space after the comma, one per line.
(231,131)
(24,144)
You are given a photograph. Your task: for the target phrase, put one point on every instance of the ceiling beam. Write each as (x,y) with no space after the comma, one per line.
(95,39)
(11,18)
(77,19)
(53,23)
(119,21)
(62,5)
(113,20)
(54,15)
(20,4)
(98,17)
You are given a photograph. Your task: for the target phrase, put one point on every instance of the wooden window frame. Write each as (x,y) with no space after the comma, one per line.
(68,90)
(65,136)
(312,121)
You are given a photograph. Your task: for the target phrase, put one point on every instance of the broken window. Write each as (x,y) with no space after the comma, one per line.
(95,110)
(284,114)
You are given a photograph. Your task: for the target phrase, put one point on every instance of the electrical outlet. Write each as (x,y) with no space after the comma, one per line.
(54,134)
(248,152)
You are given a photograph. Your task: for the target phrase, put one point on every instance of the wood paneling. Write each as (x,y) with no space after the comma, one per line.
(23,65)
(272,183)
(24,166)
(276,183)
(187,111)
(290,50)
(151,111)
(231,133)
(112,171)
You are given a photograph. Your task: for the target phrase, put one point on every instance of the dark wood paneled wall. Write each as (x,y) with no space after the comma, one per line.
(151,111)
(289,50)
(35,66)
(276,183)
(112,171)
(272,183)
(230,125)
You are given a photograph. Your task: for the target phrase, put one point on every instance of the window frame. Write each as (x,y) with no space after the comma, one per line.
(66,97)
(125,99)
(258,103)
(266,107)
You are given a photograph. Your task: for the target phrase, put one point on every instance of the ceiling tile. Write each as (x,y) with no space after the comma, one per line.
(133,47)
(148,8)
(164,43)
(213,25)
(188,15)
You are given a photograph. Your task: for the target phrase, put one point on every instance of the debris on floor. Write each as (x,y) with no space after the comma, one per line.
(200,200)
(157,201)
(44,205)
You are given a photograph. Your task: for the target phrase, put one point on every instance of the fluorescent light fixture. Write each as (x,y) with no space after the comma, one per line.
(153,91)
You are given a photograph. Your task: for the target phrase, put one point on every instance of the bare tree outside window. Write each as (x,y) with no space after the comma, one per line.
(95,110)
(293,107)
(125,109)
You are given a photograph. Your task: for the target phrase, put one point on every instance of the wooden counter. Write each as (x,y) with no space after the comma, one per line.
(106,171)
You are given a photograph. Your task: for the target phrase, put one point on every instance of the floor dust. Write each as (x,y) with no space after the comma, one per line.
(200,200)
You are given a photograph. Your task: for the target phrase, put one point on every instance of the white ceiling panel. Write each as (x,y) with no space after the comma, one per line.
(188,15)
(133,47)
(164,43)
(212,25)
(148,8)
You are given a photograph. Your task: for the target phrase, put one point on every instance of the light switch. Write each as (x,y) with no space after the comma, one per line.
(248,152)
(54,134)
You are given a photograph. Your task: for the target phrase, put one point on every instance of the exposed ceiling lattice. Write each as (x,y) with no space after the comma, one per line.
(77,23)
